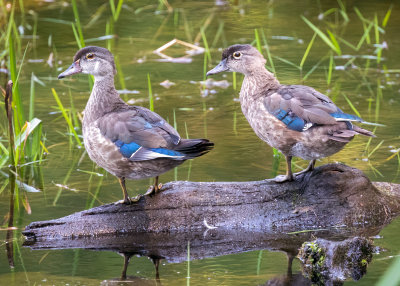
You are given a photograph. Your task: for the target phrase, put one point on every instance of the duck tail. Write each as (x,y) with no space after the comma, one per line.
(193,148)
(362,131)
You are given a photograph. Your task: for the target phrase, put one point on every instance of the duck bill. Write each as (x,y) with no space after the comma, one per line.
(221,67)
(73,69)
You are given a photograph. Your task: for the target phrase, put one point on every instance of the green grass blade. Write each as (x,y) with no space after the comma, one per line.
(350,45)
(151,100)
(118,11)
(235,123)
(66,117)
(257,38)
(376,148)
(20,117)
(34,144)
(4,149)
(205,68)
(343,11)
(331,64)
(207,50)
(376,26)
(365,36)
(75,120)
(10,22)
(259,262)
(20,67)
(90,204)
(313,68)
(112,6)
(321,35)
(392,275)
(120,73)
(310,44)
(57,21)
(77,39)
(334,41)
(29,146)
(269,56)
(387,16)
(32,98)
(174,116)
(288,62)
(351,105)
(218,35)
(98,14)
(78,22)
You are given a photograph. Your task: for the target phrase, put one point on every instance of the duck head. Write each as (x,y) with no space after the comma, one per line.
(244,59)
(93,60)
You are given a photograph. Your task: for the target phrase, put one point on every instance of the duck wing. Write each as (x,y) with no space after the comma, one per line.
(300,107)
(140,134)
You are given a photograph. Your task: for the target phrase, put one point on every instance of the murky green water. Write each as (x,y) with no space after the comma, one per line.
(238,155)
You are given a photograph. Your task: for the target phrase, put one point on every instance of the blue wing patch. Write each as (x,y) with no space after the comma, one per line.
(291,120)
(129,149)
(294,122)
(167,152)
(345,117)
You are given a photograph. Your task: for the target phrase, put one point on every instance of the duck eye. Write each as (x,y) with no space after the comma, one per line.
(237,55)
(89,56)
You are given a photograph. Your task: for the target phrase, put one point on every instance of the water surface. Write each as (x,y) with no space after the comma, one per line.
(238,155)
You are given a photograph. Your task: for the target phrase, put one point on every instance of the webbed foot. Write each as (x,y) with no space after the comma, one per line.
(158,187)
(309,168)
(301,172)
(283,178)
(153,190)
(135,199)
(128,200)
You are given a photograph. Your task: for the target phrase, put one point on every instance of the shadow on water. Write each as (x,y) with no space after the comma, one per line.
(327,257)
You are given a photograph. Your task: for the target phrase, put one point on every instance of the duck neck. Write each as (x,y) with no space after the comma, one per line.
(103,99)
(257,83)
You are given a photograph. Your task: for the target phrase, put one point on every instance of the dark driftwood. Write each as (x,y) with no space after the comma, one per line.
(330,196)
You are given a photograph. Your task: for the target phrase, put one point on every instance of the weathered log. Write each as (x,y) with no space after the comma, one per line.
(332,195)
(336,201)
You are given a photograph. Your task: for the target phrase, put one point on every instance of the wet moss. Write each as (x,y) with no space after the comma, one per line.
(313,258)
(332,261)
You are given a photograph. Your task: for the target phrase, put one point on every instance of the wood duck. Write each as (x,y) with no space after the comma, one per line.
(295,119)
(130,142)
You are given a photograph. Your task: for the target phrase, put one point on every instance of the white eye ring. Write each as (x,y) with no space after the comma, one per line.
(90,56)
(237,55)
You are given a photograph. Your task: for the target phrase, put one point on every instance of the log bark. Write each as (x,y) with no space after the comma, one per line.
(331,196)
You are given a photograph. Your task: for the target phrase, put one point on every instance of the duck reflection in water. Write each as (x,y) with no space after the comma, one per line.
(323,261)
(135,280)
